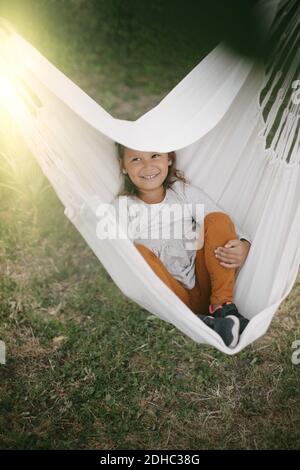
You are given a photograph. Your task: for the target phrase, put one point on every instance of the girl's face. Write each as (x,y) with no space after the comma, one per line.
(147,170)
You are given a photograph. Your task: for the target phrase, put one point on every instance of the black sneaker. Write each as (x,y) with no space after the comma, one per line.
(227,328)
(229,309)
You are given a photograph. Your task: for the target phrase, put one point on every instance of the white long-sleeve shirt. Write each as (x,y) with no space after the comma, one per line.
(170,228)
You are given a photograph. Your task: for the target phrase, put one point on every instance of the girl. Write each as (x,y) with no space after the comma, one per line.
(201,273)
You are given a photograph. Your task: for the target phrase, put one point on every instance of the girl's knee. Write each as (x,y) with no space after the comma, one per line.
(219,219)
(217,216)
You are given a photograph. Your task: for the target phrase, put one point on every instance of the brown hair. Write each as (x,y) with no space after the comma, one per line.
(173,175)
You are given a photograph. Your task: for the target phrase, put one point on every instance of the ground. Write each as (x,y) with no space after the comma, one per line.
(89,369)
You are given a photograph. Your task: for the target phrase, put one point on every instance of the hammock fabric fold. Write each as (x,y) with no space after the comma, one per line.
(234,124)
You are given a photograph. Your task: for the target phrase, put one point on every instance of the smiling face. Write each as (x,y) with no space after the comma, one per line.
(147,170)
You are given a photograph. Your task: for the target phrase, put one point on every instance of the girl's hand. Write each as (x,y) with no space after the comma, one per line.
(233,254)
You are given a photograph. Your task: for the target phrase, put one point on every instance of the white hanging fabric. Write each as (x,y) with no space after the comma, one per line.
(220,121)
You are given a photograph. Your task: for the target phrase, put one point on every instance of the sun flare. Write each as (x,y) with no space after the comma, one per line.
(9,98)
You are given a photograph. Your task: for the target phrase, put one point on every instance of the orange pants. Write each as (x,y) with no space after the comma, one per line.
(214,283)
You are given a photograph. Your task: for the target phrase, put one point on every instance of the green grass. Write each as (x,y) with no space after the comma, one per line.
(86,367)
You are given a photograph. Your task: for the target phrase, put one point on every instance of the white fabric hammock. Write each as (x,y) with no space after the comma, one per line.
(214,121)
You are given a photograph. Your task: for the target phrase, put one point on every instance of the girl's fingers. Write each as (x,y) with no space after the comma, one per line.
(227,251)
(229,265)
(229,258)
